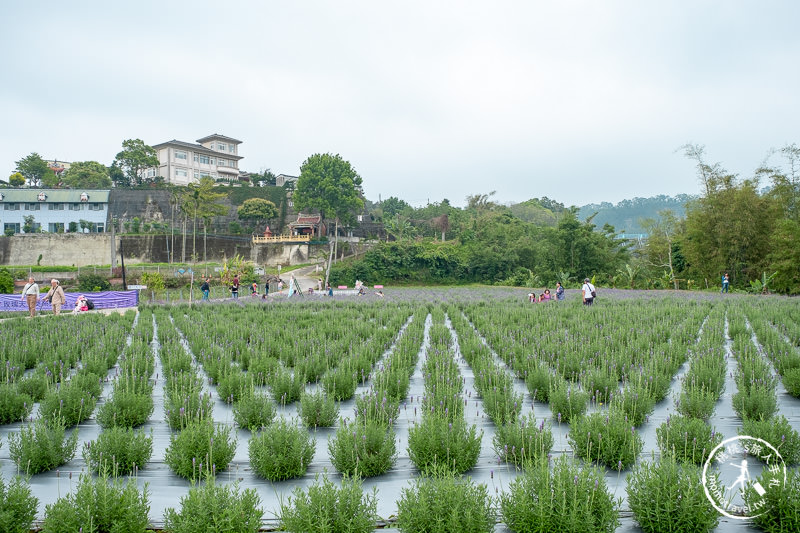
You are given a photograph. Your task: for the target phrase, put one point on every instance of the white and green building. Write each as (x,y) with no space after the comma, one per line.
(54,209)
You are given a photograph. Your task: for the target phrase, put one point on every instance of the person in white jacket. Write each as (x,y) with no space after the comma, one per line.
(588,291)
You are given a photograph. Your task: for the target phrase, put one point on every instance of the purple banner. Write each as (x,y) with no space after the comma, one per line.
(101,300)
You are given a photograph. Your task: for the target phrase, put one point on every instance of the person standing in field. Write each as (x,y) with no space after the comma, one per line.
(56,296)
(726,281)
(205,288)
(31,293)
(589,292)
(559,291)
(235,288)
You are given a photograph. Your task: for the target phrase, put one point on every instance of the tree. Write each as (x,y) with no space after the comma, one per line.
(661,235)
(201,201)
(728,228)
(330,184)
(33,168)
(481,202)
(28,223)
(257,210)
(87,175)
(16,179)
(399,227)
(134,159)
(393,206)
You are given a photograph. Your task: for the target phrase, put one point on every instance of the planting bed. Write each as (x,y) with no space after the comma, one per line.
(452,383)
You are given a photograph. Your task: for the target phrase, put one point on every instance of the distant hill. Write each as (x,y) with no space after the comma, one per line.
(541,211)
(625,215)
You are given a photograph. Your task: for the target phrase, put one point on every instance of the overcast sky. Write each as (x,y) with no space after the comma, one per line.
(581,101)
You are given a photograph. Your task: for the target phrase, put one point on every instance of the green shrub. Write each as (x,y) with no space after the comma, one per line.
(17,506)
(6,282)
(102,505)
(781,501)
(340,383)
(118,451)
(437,444)
(93,283)
(69,402)
(608,439)
(669,496)
(285,387)
(234,385)
(42,446)
(182,410)
(212,508)
(501,403)
(689,440)
(636,403)
(445,504)
(567,499)
(318,409)
(523,442)
(125,409)
(697,402)
(567,402)
(601,385)
(378,406)
(759,403)
(34,386)
(327,508)
(15,406)
(154,281)
(778,432)
(363,448)
(200,448)
(791,380)
(254,411)
(539,380)
(281,451)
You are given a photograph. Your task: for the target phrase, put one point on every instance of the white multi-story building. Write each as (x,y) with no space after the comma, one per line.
(54,209)
(182,163)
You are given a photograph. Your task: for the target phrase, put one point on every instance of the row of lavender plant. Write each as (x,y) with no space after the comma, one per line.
(367,445)
(121,449)
(69,396)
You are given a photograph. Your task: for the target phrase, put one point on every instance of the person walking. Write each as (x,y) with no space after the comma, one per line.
(726,281)
(205,288)
(589,292)
(56,296)
(31,293)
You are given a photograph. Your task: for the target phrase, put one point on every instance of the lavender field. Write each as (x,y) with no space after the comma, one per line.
(512,416)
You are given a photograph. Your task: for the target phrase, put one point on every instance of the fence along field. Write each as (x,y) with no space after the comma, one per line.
(476,401)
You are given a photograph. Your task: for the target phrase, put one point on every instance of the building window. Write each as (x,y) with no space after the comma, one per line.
(33,207)
(95,207)
(11,207)
(222,147)
(180,154)
(222,162)
(75,207)
(12,225)
(232,148)
(100,228)
(202,159)
(55,227)
(55,207)
(181,173)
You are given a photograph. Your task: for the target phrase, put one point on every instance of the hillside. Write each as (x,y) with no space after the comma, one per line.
(626,215)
